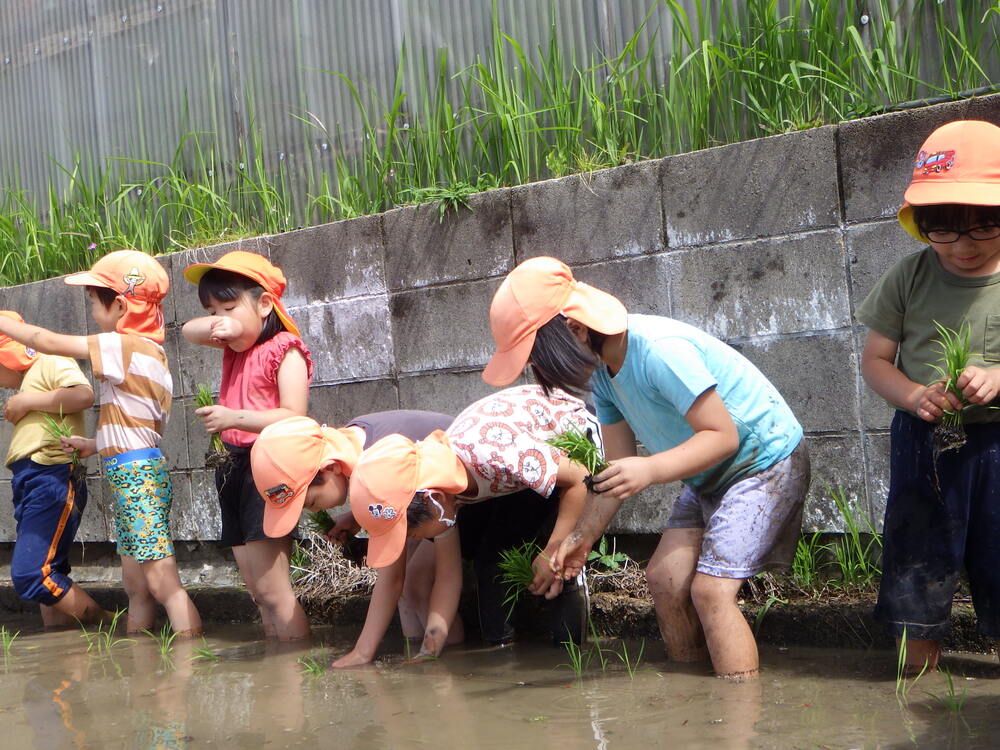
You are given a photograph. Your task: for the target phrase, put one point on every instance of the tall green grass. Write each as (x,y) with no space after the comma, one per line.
(734,70)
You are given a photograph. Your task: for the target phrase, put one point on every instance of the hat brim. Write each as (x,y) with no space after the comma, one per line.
(385,549)
(505,367)
(196,271)
(939,191)
(596,309)
(280,520)
(85,278)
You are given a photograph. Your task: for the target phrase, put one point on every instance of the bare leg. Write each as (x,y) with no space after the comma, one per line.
(730,641)
(414,600)
(75,606)
(164,583)
(53,619)
(265,569)
(669,575)
(141,604)
(921,655)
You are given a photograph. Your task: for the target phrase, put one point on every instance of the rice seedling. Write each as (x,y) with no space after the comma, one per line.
(951,699)
(902,669)
(204,653)
(56,430)
(603,559)
(102,638)
(516,572)
(955,350)
(762,612)
(806,562)
(580,448)
(7,639)
(631,663)
(577,659)
(311,666)
(218,455)
(319,521)
(164,639)
(299,561)
(597,648)
(856,551)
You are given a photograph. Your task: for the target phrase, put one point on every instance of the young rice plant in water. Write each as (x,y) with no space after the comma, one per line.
(7,639)
(516,572)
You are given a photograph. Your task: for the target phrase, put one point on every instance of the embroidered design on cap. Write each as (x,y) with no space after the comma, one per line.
(133,278)
(939,161)
(375,510)
(279,494)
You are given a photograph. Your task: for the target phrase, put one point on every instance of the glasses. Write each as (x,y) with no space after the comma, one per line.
(947,236)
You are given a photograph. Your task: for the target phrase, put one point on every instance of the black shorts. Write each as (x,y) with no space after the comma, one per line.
(938,524)
(241,505)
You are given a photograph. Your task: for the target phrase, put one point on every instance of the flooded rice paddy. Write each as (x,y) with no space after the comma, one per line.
(248,693)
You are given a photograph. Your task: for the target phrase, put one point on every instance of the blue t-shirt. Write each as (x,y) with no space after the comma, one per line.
(667,366)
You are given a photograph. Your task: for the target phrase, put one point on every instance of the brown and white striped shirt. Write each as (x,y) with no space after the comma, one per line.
(136,391)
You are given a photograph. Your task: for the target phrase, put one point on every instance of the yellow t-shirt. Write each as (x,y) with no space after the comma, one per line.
(30,440)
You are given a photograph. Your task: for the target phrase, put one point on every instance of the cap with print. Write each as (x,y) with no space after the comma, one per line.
(387,477)
(255,267)
(958,163)
(285,459)
(14,355)
(533,293)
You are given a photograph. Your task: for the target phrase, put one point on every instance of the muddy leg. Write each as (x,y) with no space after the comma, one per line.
(921,655)
(669,575)
(730,640)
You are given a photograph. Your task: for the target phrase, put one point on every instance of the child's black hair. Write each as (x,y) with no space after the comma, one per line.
(559,361)
(105,295)
(418,511)
(226,286)
(955,216)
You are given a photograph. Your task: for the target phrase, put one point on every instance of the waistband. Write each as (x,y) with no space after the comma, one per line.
(26,463)
(128,457)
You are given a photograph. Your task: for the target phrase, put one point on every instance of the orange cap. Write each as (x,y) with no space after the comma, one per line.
(13,355)
(140,280)
(286,457)
(255,267)
(387,477)
(531,295)
(958,163)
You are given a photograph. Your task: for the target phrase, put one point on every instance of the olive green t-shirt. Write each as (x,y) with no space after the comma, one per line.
(917,291)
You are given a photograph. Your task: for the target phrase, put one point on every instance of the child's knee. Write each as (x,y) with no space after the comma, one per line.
(666,587)
(30,586)
(710,594)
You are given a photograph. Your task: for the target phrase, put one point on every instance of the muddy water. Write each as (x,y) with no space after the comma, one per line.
(54,694)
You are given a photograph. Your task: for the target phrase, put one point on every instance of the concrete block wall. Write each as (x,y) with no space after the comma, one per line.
(768,244)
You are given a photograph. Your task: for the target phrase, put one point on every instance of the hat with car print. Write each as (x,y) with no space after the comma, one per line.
(387,477)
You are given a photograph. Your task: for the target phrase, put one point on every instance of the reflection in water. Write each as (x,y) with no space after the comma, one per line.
(54,694)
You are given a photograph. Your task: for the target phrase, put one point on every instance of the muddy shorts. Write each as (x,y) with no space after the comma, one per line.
(754,525)
(936,524)
(142,497)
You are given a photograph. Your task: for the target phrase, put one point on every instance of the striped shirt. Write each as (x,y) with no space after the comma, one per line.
(136,390)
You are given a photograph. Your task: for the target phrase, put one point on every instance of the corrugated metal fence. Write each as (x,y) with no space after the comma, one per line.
(101,80)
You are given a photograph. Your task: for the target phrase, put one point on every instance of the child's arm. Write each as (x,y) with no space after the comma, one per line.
(445,593)
(212,330)
(571,501)
(878,367)
(381,609)
(66,400)
(44,340)
(293,387)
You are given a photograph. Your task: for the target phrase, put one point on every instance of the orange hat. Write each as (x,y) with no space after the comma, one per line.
(531,295)
(140,280)
(13,355)
(255,267)
(286,457)
(387,477)
(958,163)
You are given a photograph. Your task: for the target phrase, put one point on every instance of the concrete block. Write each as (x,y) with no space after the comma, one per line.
(50,304)
(190,517)
(336,404)
(205,497)
(8,528)
(185,440)
(762,288)
(837,464)
(816,375)
(876,413)
(984,108)
(582,218)
(350,339)
(193,364)
(642,284)
(877,459)
(470,243)
(443,327)
(97,524)
(872,249)
(647,512)
(332,261)
(877,153)
(762,188)
(445,392)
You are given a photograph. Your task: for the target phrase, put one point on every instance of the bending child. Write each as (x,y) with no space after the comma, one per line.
(708,417)
(125,289)
(265,377)
(941,512)
(49,495)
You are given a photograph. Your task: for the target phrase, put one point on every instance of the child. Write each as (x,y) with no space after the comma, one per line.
(49,497)
(298,464)
(265,377)
(707,416)
(941,512)
(126,289)
(494,449)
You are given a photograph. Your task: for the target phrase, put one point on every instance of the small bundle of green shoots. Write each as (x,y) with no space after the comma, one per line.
(218,455)
(320,521)
(580,448)
(60,429)
(516,572)
(955,352)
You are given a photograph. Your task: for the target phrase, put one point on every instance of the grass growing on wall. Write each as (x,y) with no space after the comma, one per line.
(736,70)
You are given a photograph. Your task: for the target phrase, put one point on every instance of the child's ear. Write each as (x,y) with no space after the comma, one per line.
(120,306)
(579,330)
(333,467)
(265,303)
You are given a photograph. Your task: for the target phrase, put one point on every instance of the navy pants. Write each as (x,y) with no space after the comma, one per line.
(48,503)
(937,525)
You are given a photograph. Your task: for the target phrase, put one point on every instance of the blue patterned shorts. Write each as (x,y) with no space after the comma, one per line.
(143,496)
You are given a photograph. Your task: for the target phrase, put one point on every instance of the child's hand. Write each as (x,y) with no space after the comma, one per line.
(225,330)
(83,446)
(216,418)
(931,402)
(351,659)
(345,526)
(979,385)
(571,556)
(16,407)
(545,581)
(624,477)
